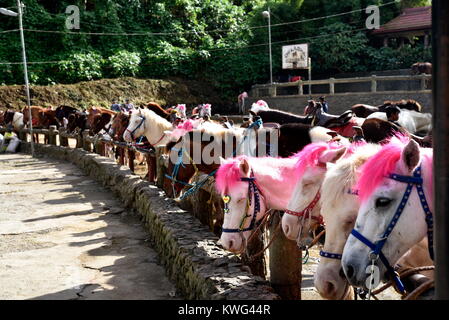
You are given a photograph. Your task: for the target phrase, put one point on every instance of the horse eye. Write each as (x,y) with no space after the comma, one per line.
(382,202)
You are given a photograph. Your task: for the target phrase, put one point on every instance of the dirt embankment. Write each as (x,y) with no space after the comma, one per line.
(101,92)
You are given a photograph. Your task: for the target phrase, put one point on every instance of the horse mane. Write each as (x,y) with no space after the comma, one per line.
(384,163)
(228,174)
(309,156)
(340,178)
(156,108)
(161,123)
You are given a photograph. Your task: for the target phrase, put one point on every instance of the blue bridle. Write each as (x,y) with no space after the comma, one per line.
(415,180)
(252,189)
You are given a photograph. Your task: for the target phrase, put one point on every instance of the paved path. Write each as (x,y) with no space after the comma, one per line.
(63,236)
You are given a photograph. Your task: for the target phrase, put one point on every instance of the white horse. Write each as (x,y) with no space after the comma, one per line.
(339,208)
(413,121)
(275,179)
(303,209)
(144,122)
(388,189)
(17,121)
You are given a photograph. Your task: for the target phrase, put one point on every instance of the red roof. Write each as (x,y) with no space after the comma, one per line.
(410,20)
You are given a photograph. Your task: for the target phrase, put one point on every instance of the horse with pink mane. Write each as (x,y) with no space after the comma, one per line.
(302,214)
(393,216)
(254,185)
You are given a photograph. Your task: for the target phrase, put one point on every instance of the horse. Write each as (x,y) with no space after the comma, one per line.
(303,205)
(414,122)
(118,126)
(77,120)
(62,112)
(35,111)
(281,117)
(339,207)
(100,122)
(223,142)
(252,186)
(364,110)
(93,111)
(421,67)
(386,191)
(15,119)
(378,131)
(156,108)
(258,106)
(144,122)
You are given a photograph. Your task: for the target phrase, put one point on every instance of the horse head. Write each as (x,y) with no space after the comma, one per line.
(339,208)
(303,210)
(243,203)
(386,187)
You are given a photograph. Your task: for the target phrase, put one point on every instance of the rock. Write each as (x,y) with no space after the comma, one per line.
(116,210)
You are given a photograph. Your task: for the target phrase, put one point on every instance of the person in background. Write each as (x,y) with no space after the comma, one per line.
(128,106)
(324,104)
(115,106)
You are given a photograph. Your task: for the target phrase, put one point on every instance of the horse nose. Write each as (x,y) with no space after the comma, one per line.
(349,271)
(329,289)
(230,244)
(342,274)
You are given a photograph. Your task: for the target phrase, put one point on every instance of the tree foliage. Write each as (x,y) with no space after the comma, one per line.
(222,42)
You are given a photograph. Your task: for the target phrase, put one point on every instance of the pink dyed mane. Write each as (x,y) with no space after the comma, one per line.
(374,171)
(309,156)
(228,174)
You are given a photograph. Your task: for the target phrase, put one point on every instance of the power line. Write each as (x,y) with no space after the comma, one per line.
(215,50)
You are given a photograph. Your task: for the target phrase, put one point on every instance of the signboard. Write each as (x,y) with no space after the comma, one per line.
(295,56)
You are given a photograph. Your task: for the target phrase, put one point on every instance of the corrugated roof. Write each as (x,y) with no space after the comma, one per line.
(411,19)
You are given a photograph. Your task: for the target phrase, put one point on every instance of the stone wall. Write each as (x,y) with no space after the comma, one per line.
(339,103)
(189,252)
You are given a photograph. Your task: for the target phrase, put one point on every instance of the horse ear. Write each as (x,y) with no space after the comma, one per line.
(244,167)
(410,155)
(332,155)
(252,113)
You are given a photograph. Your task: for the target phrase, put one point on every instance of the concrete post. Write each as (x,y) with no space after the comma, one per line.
(52,135)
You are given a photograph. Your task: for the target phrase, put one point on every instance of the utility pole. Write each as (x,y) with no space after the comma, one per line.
(267,14)
(25,70)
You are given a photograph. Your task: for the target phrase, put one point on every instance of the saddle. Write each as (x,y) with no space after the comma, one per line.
(339,121)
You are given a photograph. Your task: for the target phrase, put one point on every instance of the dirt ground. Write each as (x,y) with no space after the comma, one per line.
(63,236)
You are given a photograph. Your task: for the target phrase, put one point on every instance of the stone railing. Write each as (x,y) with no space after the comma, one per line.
(271,90)
(187,248)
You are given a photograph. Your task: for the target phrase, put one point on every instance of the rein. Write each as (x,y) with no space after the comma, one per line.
(415,180)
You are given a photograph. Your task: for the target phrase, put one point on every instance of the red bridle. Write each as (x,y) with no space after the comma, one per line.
(306,213)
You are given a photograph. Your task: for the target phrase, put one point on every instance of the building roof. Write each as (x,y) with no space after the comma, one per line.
(411,19)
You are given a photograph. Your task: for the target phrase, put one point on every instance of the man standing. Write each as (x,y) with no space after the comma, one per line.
(128,106)
(324,104)
(115,106)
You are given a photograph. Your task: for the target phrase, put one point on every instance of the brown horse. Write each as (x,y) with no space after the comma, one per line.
(93,111)
(2,118)
(100,122)
(119,124)
(364,110)
(421,67)
(378,131)
(156,108)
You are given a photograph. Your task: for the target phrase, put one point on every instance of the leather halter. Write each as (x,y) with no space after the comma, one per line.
(252,189)
(415,180)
